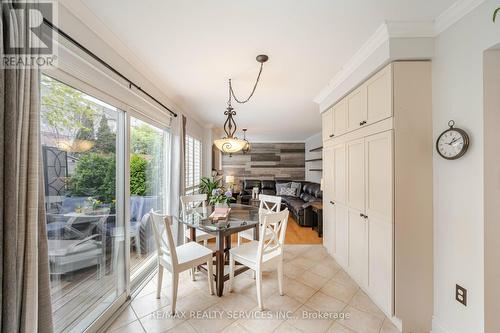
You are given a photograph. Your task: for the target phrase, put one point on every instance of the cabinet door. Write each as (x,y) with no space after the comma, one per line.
(358,247)
(327,124)
(328,208)
(356,108)
(379,95)
(380,263)
(355,154)
(340,118)
(379,178)
(339,174)
(341,235)
(329,225)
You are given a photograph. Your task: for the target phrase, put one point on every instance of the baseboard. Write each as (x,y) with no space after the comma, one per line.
(438,327)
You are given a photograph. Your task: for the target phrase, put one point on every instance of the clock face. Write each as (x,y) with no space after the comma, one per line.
(452,143)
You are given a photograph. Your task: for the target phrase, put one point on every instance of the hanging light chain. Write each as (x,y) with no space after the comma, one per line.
(231,91)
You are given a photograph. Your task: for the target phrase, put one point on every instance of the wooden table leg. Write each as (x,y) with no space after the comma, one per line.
(219,265)
(192,234)
(256,232)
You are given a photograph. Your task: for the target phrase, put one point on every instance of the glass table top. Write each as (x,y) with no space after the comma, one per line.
(240,217)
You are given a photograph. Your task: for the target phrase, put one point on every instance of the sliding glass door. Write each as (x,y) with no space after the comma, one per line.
(83,165)
(148,191)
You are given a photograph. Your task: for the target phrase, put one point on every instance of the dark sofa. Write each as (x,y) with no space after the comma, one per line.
(299,207)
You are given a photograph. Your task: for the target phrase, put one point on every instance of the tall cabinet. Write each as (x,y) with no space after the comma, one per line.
(377,166)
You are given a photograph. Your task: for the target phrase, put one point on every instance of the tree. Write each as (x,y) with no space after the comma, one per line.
(145,140)
(139,184)
(106,139)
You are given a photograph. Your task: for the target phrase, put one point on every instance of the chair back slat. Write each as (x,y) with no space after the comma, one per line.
(193,203)
(162,230)
(269,203)
(274,224)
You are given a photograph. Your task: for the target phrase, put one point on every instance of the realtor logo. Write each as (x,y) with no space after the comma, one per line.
(28,41)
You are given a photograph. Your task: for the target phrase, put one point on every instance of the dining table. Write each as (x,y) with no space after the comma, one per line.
(240,217)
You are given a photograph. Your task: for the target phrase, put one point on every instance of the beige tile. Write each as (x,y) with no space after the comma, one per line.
(342,277)
(269,287)
(310,321)
(338,328)
(388,327)
(297,290)
(236,301)
(323,302)
(148,303)
(285,327)
(303,262)
(260,322)
(283,303)
(126,317)
(362,302)
(312,280)
(212,320)
(361,321)
(326,270)
(339,291)
(161,321)
(133,327)
(292,270)
(315,254)
(182,328)
(197,301)
(235,328)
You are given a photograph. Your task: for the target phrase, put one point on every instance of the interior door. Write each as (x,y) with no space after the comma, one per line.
(358,246)
(327,124)
(328,206)
(355,154)
(339,173)
(379,96)
(356,108)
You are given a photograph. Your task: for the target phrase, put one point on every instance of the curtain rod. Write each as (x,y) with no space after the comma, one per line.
(105,64)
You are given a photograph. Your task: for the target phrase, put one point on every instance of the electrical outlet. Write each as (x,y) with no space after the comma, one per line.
(461,294)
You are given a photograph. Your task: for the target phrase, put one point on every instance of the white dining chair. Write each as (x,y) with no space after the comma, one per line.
(177,259)
(268,204)
(263,254)
(193,203)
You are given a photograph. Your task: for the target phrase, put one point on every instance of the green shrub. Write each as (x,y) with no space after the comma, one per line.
(139,184)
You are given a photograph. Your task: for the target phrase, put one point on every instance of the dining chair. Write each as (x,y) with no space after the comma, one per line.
(177,259)
(194,203)
(263,254)
(268,203)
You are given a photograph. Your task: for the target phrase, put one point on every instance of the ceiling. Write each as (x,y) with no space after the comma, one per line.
(194,46)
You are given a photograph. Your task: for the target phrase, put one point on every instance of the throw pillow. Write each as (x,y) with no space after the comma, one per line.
(288,191)
(297,186)
(279,186)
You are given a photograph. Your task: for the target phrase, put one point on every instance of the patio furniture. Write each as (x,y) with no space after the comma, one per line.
(263,254)
(177,259)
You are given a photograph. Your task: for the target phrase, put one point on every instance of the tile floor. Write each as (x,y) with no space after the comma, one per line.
(314,285)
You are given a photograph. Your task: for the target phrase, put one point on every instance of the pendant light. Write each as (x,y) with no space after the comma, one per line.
(230,143)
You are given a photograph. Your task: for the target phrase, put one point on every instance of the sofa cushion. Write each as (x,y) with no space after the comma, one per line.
(279,186)
(268,185)
(298,187)
(289,191)
(268,192)
(295,205)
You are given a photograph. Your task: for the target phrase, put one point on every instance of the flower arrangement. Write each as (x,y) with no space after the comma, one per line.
(219,196)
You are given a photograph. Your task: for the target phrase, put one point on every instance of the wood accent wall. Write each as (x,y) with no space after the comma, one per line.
(267,161)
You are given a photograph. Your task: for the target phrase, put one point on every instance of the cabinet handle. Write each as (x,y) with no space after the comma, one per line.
(333,203)
(363,215)
(332,135)
(362,123)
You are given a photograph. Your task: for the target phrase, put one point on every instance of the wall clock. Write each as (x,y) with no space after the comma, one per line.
(452,143)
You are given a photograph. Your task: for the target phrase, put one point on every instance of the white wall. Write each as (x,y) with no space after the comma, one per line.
(312,142)
(458,185)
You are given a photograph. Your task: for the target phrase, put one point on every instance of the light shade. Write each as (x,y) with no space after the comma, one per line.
(229,179)
(230,145)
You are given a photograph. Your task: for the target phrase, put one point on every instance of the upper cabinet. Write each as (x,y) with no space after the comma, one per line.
(379,96)
(356,109)
(366,105)
(327,124)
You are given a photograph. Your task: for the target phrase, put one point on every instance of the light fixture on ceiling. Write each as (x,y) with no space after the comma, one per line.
(247,147)
(231,144)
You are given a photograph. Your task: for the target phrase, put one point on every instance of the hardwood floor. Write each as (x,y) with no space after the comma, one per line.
(295,234)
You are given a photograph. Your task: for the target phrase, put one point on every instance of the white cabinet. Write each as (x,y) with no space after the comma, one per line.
(356,108)
(358,247)
(341,235)
(339,174)
(340,118)
(379,96)
(328,207)
(355,153)
(327,124)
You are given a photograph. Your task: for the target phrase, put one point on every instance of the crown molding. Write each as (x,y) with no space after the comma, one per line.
(454,13)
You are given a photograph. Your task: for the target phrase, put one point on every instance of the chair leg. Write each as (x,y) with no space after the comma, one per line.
(280,277)
(231,272)
(175,286)
(160,280)
(205,242)
(259,289)
(210,272)
(193,274)
(239,239)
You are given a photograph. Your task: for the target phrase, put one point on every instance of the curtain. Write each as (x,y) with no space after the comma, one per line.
(24,269)
(177,175)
